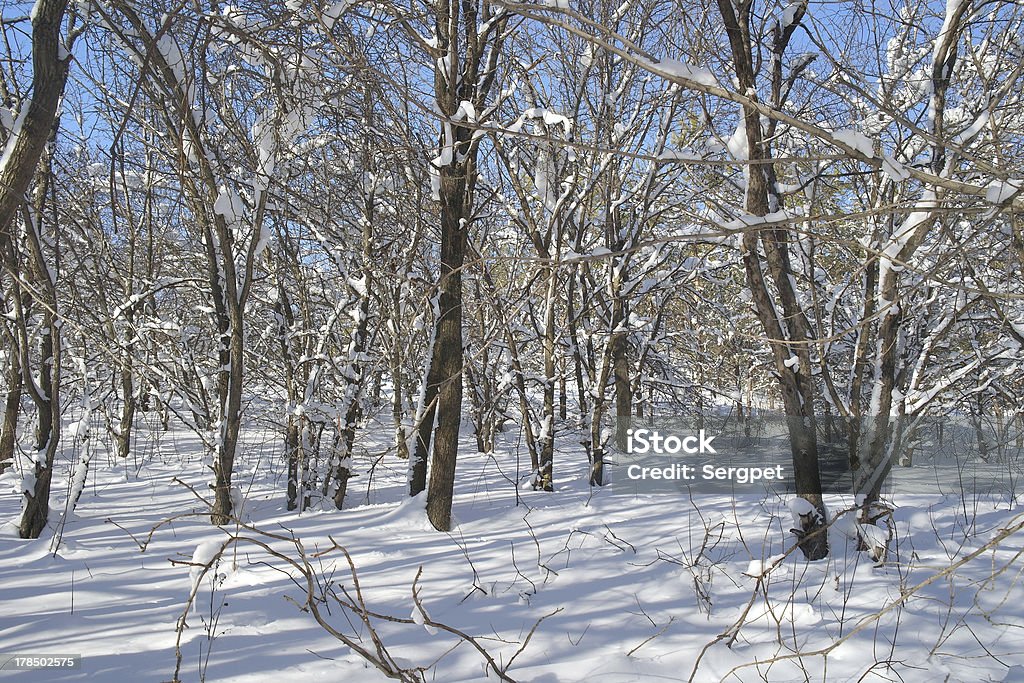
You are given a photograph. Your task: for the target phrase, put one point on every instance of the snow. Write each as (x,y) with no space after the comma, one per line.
(678,69)
(759,568)
(546,189)
(952,8)
(748,220)
(359,286)
(1000,191)
(262,239)
(875,538)
(801,507)
(621,10)
(77,430)
(204,557)
(914,221)
(789,13)
(894,169)
(169,50)
(679,155)
(420,616)
(637,585)
(549,118)
(977,126)
(857,141)
(238,503)
(229,205)
(15,132)
(1014,674)
(465,111)
(6,119)
(737,142)
(331,14)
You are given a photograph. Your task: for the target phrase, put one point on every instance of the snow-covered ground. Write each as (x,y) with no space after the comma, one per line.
(653,588)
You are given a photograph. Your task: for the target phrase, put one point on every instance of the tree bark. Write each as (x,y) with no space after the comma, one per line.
(12,407)
(22,155)
(465,73)
(790,335)
(448,355)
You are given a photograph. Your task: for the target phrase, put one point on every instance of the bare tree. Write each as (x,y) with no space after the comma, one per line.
(24,149)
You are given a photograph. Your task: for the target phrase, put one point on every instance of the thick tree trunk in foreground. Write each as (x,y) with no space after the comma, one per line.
(448,354)
(22,155)
(781,315)
(231,416)
(468,45)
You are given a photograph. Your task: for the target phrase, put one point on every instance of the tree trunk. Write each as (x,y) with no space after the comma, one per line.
(464,75)
(343,451)
(448,355)
(426,412)
(574,340)
(22,156)
(12,408)
(397,393)
(231,419)
(547,431)
(128,398)
(788,336)
(293,458)
(623,389)
(37,501)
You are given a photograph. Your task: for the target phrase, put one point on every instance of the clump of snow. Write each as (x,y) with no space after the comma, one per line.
(410,514)
(678,69)
(953,7)
(801,506)
(549,118)
(894,169)
(758,568)
(229,205)
(1000,191)
(737,142)
(206,554)
(78,430)
(875,539)
(802,509)
(171,53)
(789,13)
(238,503)
(420,616)
(856,140)
(977,126)
(679,155)
(331,14)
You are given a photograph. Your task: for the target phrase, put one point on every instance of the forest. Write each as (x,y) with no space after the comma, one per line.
(315,313)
